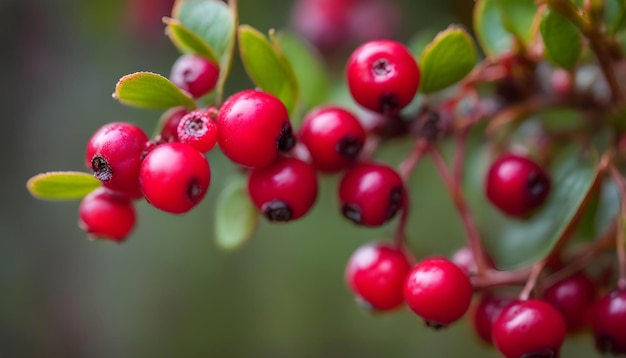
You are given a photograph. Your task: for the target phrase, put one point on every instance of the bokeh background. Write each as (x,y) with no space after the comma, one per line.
(169,291)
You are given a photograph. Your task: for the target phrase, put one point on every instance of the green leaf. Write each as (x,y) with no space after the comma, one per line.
(267,66)
(151,90)
(311,76)
(236,216)
(515,242)
(62,185)
(561,119)
(490,33)
(563,41)
(518,17)
(449,57)
(615,15)
(186,41)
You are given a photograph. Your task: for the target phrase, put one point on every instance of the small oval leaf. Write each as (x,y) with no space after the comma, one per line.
(449,57)
(563,41)
(614,15)
(62,185)
(151,90)
(186,41)
(490,33)
(236,217)
(267,67)
(518,17)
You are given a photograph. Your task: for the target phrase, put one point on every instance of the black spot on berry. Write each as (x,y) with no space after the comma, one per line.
(286,140)
(349,147)
(277,210)
(101,169)
(549,353)
(395,201)
(352,212)
(194,191)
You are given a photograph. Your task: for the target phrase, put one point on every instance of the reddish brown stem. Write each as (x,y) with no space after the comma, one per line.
(531,283)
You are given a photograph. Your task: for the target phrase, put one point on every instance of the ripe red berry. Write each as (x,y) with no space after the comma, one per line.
(383,76)
(487,310)
(195,74)
(530,328)
(333,136)
(438,291)
(114,155)
(609,323)
(106,214)
(573,297)
(253,126)
(516,185)
(198,129)
(284,190)
(170,120)
(371,194)
(174,177)
(376,273)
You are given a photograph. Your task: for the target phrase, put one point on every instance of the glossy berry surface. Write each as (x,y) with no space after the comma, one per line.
(438,291)
(333,136)
(573,297)
(516,185)
(383,76)
(174,177)
(285,190)
(195,74)
(106,214)
(486,312)
(609,323)
(114,155)
(376,273)
(171,118)
(253,127)
(198,129)
(371,193)
(530,328)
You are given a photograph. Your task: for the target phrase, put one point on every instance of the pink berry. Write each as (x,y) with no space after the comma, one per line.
(383,76)
(573,297)
(253,127)
(174,177)
(195,74)
(106,214)
(114,154)
(609,323)
(438,291)
(284,190)
(376,273)
(198,129)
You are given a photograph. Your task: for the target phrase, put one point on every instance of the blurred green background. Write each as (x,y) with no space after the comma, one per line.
(168,291)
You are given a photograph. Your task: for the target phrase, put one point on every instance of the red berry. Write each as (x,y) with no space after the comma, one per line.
(253,126)
(516,185)
(106,214)
(573,297)
(333,136)
(170,120)
(486,312)
(114,155)
(195,74)
(174,177)
(198,129)
(609,323)
(438,291)
(284,190)
(376,274)
(371,194)
(383,76)
(530,328)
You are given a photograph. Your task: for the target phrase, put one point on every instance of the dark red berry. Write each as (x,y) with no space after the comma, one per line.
(285,190)
(253,127)
(376,273)
(323,23)
(530,328)
(487,310)
(170,120)
(114,154)
(516,185)
(609,323)
(106,214)
(371,194)
(195,74)
(438,291)
(333,136)
(573,297)
(383,76)
(198,129)
(174,177)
